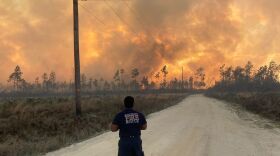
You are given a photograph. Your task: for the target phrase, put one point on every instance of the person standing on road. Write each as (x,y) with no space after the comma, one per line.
(129,123)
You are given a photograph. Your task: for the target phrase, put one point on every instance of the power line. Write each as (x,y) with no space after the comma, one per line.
(102,0)
(138,19)
(116,13)
(121,19)
(135,14)
(124,1)
(92,15)
(98,19)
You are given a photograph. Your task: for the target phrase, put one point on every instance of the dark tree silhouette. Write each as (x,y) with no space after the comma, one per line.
(199,78)
(117,76)
(145,82)
(191,83)
(37,84)
(84,81)
(121,74)
(117,79)
(52,80)
(248,71)
(95,84)
(106,86)
(164,71)
(175,84)
(122,85)
(157,76)
(135,73)
(45,81)
(90,83)
(243,79)
(16,77)
(134,85)
(238,74)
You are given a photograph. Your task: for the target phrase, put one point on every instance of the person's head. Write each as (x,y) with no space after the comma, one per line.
(128,102)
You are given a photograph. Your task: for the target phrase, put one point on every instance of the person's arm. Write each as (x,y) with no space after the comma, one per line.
(115,124)
(114,127)
(144,127)
(143,122)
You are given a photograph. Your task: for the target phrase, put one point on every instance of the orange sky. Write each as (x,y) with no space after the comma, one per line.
(37,35)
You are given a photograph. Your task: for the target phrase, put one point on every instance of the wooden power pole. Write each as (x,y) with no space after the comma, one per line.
(77,59)
(182,77)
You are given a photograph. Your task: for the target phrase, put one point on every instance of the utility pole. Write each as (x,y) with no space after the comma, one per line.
(182,77)
(77,59)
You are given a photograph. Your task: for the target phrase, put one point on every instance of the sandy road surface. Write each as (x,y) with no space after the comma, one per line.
(197,126)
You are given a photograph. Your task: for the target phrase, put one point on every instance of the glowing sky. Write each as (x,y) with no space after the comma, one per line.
(37,35)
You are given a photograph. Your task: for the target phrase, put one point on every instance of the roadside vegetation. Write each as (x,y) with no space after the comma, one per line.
(257,91)
(264,104)
(34,126)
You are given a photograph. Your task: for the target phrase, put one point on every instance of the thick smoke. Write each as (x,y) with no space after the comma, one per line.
(177,33)
(37,35)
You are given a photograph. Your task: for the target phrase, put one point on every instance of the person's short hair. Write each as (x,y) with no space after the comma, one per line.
(128,102)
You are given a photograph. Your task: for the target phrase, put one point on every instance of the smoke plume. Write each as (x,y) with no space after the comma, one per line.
(144,34)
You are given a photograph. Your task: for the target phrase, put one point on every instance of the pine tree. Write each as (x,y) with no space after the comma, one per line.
(52,80)
(16,77)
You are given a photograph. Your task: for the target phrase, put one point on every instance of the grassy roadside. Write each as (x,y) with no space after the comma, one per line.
(34,126)
(265,104)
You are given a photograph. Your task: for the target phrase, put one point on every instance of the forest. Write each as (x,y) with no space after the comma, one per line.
(248,79)
(122,81)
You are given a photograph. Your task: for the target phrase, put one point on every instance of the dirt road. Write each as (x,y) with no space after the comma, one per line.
(197,126)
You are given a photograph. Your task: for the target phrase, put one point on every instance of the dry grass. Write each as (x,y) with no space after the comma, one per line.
(34,126)
(265,104)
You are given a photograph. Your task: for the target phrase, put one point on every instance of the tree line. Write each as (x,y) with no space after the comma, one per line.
(121,81)
(248,79)
(232,79)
